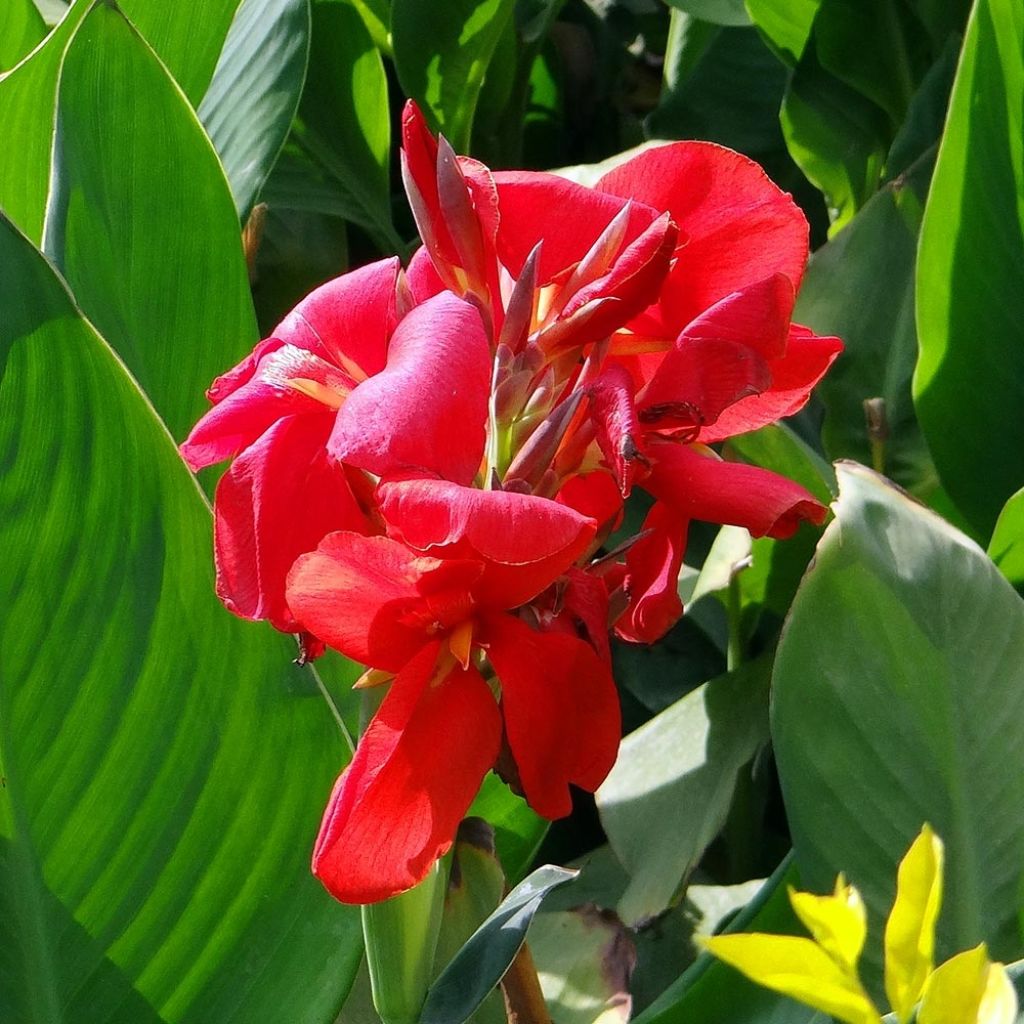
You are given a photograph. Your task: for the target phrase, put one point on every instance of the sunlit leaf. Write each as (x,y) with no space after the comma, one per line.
(910,929)
(141,223)
(898,697)
(255,90)
(969,382)
(164,764)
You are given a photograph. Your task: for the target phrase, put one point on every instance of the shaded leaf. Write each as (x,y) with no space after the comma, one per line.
(445,77)
(585,959)
(344,125)
(482,961)
(860,287)
(713,993)
(969,382)
(255,91)
(164,764)
(670,790)
(898,698)
(717,12)
(141,223)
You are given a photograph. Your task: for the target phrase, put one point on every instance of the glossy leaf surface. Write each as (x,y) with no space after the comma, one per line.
(898,699)
(141,223)
(255,91)
(969,383)
(164,764)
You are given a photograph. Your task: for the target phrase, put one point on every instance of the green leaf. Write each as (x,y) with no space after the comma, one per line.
(164,764)
(898,699)
(518,829)
(344,124)
(778,448)
(872,256)
(21,28)
(28,98)
(969,382)
(713,993)
(723,85)
(670,790)
(836,135)
(483,960)
(1006,548)
(255,91)
(786,25)
(141,223)
(717,12)
(584,959)
(445,76)
(188,38)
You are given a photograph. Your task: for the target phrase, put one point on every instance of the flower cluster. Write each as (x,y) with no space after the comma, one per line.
(427,464)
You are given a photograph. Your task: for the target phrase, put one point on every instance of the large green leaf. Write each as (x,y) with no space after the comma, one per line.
(670,790)
(187,37)
(1007,545)
(140,220)
(344,123)
(21,28)
(164,765)
(969,382)
(898,698)
(28,98)
(255,91)
(445,76)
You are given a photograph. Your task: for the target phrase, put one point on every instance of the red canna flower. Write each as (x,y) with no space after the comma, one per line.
(437,620)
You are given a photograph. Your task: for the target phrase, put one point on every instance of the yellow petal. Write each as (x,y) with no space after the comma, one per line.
(838,922)
(800,969)
(954,992)
(999,1003)
(910,931)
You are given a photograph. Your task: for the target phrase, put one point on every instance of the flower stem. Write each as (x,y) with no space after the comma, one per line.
(524,1001)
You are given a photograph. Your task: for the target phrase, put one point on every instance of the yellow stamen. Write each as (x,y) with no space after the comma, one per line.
(329,396)
(460,642)
(372,677)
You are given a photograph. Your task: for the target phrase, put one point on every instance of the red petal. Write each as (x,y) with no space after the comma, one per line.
(720,358)
(395,809)
(699,486)
(375,600)
(794,376)
(593,495)
(634,281)
(619,434)
(561,711)
(427,409)
(526,541)
(735,225)
(421,276)
(652,577)
(419,172)
(247,410)
(351,317)
(276,501)
(586,601)
(533,203)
